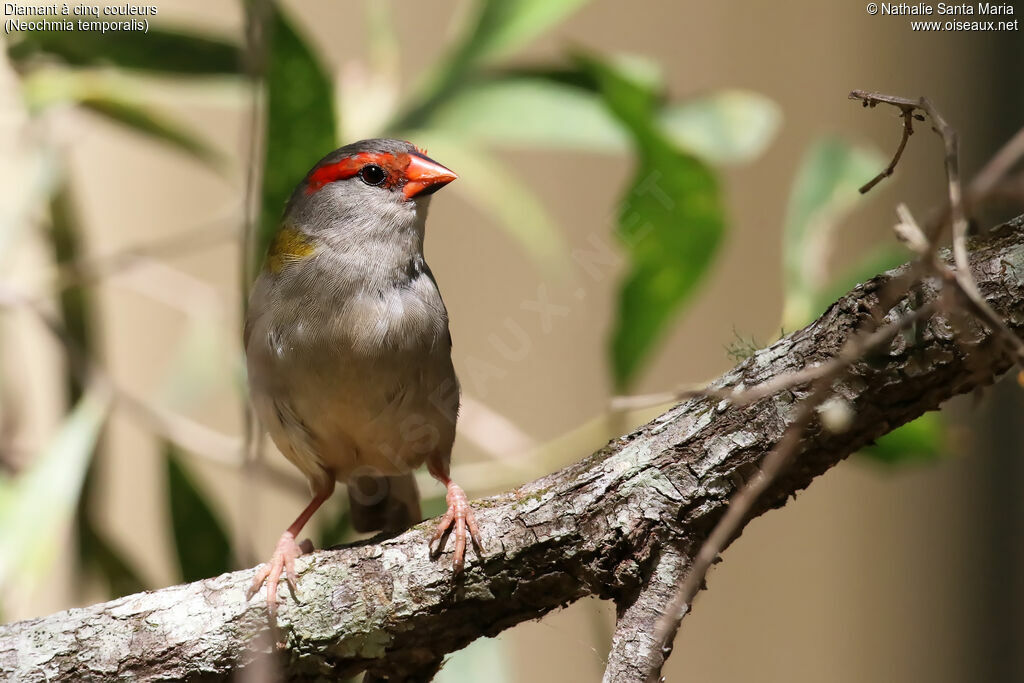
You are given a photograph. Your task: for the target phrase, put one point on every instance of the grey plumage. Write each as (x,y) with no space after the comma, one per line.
(347,342)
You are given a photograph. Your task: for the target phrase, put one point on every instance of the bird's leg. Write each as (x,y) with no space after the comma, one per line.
(459,513)
(283,559)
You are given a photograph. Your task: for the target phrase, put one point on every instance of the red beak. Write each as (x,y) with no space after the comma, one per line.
(425,176)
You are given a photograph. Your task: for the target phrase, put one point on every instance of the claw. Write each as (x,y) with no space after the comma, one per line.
(462,516)
(262,572)
(282,562)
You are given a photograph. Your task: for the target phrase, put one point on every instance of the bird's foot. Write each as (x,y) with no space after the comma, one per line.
(462,516)
(282,562)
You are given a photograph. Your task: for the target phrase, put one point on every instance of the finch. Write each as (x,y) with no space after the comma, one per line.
(348,350)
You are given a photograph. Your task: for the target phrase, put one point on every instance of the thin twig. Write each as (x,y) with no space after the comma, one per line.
(738,396)
(775,462)
(986,181)
(908,130)
(89,269)
(963,277)
(257,15)
(995,170)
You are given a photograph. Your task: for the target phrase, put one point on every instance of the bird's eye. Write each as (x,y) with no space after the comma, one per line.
(372,174)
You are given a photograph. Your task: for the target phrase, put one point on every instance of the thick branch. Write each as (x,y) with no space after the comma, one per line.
(598,527)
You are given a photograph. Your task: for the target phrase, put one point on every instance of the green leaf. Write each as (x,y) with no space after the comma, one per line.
(487,185)
(671,222)
(37,506)
(560,109)
(300,120)
(534,109)
(152,125)
(531,110)
(76,306)
(501,26)
(111,97)
(495,28)
(203,547)
(730,126)
(825,189)
(919,441)
(164,50)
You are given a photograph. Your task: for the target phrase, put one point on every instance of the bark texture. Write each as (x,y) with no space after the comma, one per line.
(620,524)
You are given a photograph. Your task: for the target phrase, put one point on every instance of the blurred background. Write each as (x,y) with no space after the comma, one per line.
(142,173)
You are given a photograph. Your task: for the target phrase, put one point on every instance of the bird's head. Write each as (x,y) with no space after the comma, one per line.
(370,185)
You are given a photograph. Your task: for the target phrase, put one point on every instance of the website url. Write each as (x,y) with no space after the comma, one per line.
(965,25)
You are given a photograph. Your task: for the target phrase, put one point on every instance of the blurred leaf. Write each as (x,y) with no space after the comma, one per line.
(36,507)
(878,261)
(300,120)
(383,41)
(76,312)
(825,189)
(110,97)
(641,70)
(201,363)
(918,441)
(730,126)
(160,49)
(434,506)
(488,185)
(560,109)
(671,222)
(367,95)
(200,540)
(75,303)
(150,124)
(337,529)
(496,27)
(485,659)
(529,111)
(500,26)
(100,555)
(29,162)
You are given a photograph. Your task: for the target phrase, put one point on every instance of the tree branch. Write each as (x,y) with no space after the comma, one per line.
(638,649)
(603,526)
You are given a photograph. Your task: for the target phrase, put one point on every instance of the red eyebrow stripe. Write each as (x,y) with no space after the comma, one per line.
(348,167)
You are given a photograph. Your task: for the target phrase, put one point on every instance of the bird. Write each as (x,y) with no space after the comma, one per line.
(348,348)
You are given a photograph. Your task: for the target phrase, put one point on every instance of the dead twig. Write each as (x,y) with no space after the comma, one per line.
(774,463)
(928,263)
(908,112)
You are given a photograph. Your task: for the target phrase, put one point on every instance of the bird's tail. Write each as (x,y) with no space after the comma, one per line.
(380,503)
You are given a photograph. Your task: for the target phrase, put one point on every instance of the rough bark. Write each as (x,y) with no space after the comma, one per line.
(599,527)
(636,651)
